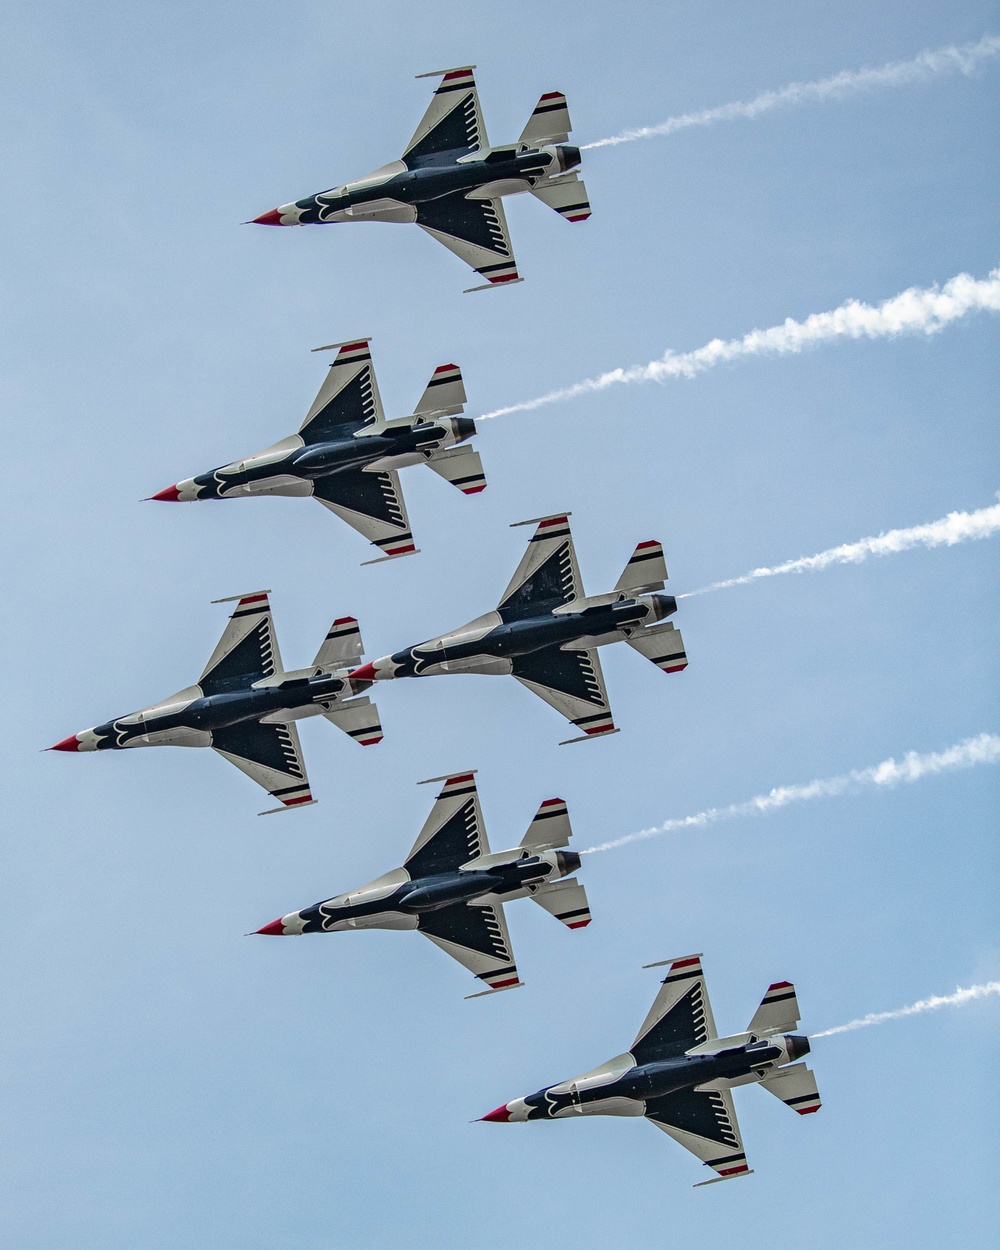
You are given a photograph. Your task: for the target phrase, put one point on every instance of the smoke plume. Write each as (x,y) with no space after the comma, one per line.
(958,999)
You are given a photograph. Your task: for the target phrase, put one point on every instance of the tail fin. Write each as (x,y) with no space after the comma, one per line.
(778,1011)
(548,123)
(566,900)
(567,195)
(462,467)
(796,1087)
(358,719)
(550,829)
(646,569)
(444,395)
(662,644)
(342,647)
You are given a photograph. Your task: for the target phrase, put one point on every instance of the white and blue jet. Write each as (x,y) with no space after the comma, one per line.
(347,454)
(679,1073)
(546,632)
(451,182)
(452,887)
(245,703)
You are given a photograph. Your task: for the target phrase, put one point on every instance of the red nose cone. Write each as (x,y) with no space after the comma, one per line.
(67,744)
(500,1116)
(365,673)
(273,218)
(169,494)
(274,929)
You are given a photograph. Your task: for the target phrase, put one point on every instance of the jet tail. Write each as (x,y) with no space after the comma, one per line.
(567,195)
(550,829)
(342,647)
(778,1011)
(646,569)
(662,644)
(548,123)
(462,467)
(358,719)
(566,900)
(796,1087)
(444,395)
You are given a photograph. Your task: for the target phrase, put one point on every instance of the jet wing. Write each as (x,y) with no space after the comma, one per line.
(452,126)
(704,1122)
(477,937)
(680,1017)
(348,400)
(247,650)
(270,755)
(475,230)
(371,503)
(572,683)
(453,833)
(548,575)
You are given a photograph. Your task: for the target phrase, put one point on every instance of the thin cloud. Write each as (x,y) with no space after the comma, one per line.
(958,999)
(918,310)
(983,749)
(956,527)
(964,59)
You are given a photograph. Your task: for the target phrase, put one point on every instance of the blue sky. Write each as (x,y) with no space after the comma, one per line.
(171,1083)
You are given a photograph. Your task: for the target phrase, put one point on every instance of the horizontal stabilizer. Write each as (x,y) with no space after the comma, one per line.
(568,196)
(462,467)
(444,393)
(550,829)
(778,1011)
(549,123)
(646,570)
(566,900)
(342,647)
(796,1087)
(358,719)
(662,644)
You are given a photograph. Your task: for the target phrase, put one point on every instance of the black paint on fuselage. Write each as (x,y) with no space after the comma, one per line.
(440,890)
(318,460)
(224,709)
(649,1081)
(441,176)
(527,634)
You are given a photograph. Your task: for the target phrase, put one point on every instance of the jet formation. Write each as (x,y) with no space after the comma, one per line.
(244,704)
(545,631)
(452,888)
(679,1074)
(451,182)
(348,455)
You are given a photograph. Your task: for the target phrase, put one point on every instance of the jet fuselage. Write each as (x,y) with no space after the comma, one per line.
(513,635)
(394,447)
(627,1093)
(396,902)
(188,721)
(430,178)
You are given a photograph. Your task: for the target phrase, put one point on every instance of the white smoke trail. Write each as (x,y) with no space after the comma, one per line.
(963,60)
(919,310)
(983,749)
(956,527)
(958,999)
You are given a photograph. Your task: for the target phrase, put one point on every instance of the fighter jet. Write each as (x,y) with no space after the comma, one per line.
(450,181)
(452,888)
(678,1072)
(244,704)
(347,455)
(545,631)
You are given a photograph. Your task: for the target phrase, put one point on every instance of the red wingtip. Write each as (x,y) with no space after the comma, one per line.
(500,1116)
(68,744)
(275,929)
(169,494)
(365,673)
(272,218)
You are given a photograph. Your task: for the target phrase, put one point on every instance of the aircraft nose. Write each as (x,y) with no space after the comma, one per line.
(169,494)
(378,670)
(275,929)
(499,1116)
(272,218)
(71,743)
